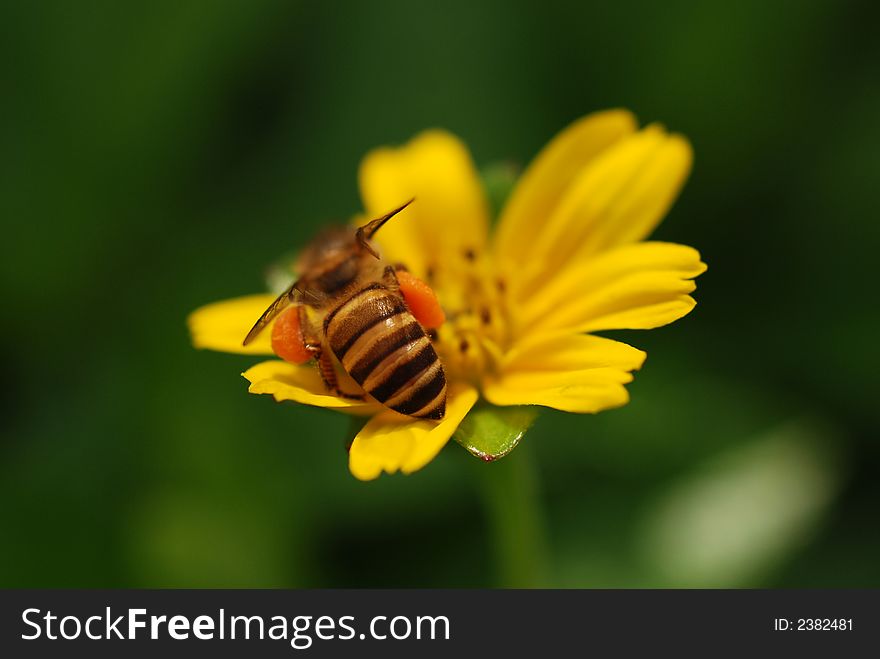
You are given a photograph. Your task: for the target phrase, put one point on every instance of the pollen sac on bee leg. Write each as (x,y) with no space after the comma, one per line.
(421,300)
(287,337)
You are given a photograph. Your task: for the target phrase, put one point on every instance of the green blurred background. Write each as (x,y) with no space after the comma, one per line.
(157,156)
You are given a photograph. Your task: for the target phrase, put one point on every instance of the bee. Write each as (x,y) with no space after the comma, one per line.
(350,304)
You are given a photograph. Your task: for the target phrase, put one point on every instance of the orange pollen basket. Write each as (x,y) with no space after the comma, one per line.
(287,337)
(421,300)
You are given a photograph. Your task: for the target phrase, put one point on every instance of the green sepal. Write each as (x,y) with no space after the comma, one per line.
(499,180)
(490,432)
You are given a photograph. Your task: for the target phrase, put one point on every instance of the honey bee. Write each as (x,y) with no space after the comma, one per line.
(351,304)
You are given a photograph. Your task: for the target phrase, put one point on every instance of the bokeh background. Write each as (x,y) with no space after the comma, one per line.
(157,156)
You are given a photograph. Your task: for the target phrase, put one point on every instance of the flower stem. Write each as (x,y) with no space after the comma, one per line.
(511,498)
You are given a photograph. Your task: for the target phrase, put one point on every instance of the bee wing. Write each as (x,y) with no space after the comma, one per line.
(293,293)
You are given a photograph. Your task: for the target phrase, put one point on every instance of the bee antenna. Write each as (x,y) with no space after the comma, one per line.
(366,232)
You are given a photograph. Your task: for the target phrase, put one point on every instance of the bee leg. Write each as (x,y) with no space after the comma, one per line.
(389,278)
(398,267)
(328,373)
(312,345)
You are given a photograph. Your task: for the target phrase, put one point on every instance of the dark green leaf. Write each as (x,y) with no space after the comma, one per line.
(491,432)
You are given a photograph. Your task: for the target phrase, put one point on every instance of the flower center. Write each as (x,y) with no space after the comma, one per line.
(475,334)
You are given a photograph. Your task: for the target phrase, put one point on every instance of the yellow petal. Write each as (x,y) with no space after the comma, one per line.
(301,384)
(548,176)
(570,372)
(450,212)
(636,286)
(619,198)
(391,442)
(223,325)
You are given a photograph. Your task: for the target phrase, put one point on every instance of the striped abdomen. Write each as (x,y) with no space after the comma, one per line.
(382,346)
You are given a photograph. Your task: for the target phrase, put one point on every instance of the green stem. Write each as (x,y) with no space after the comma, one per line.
(516,521)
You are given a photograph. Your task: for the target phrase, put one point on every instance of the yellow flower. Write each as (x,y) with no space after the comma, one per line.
(566,259)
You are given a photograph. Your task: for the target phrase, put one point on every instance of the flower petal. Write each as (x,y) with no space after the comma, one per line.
(636,286)
(618,199)
(450,213)
(223,325)
(302,384)
(549,175)
(391,442)
(570,372)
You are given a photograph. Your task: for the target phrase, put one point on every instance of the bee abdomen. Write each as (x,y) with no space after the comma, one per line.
(423,396)
(412,382)
(386,351)
(358,314)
